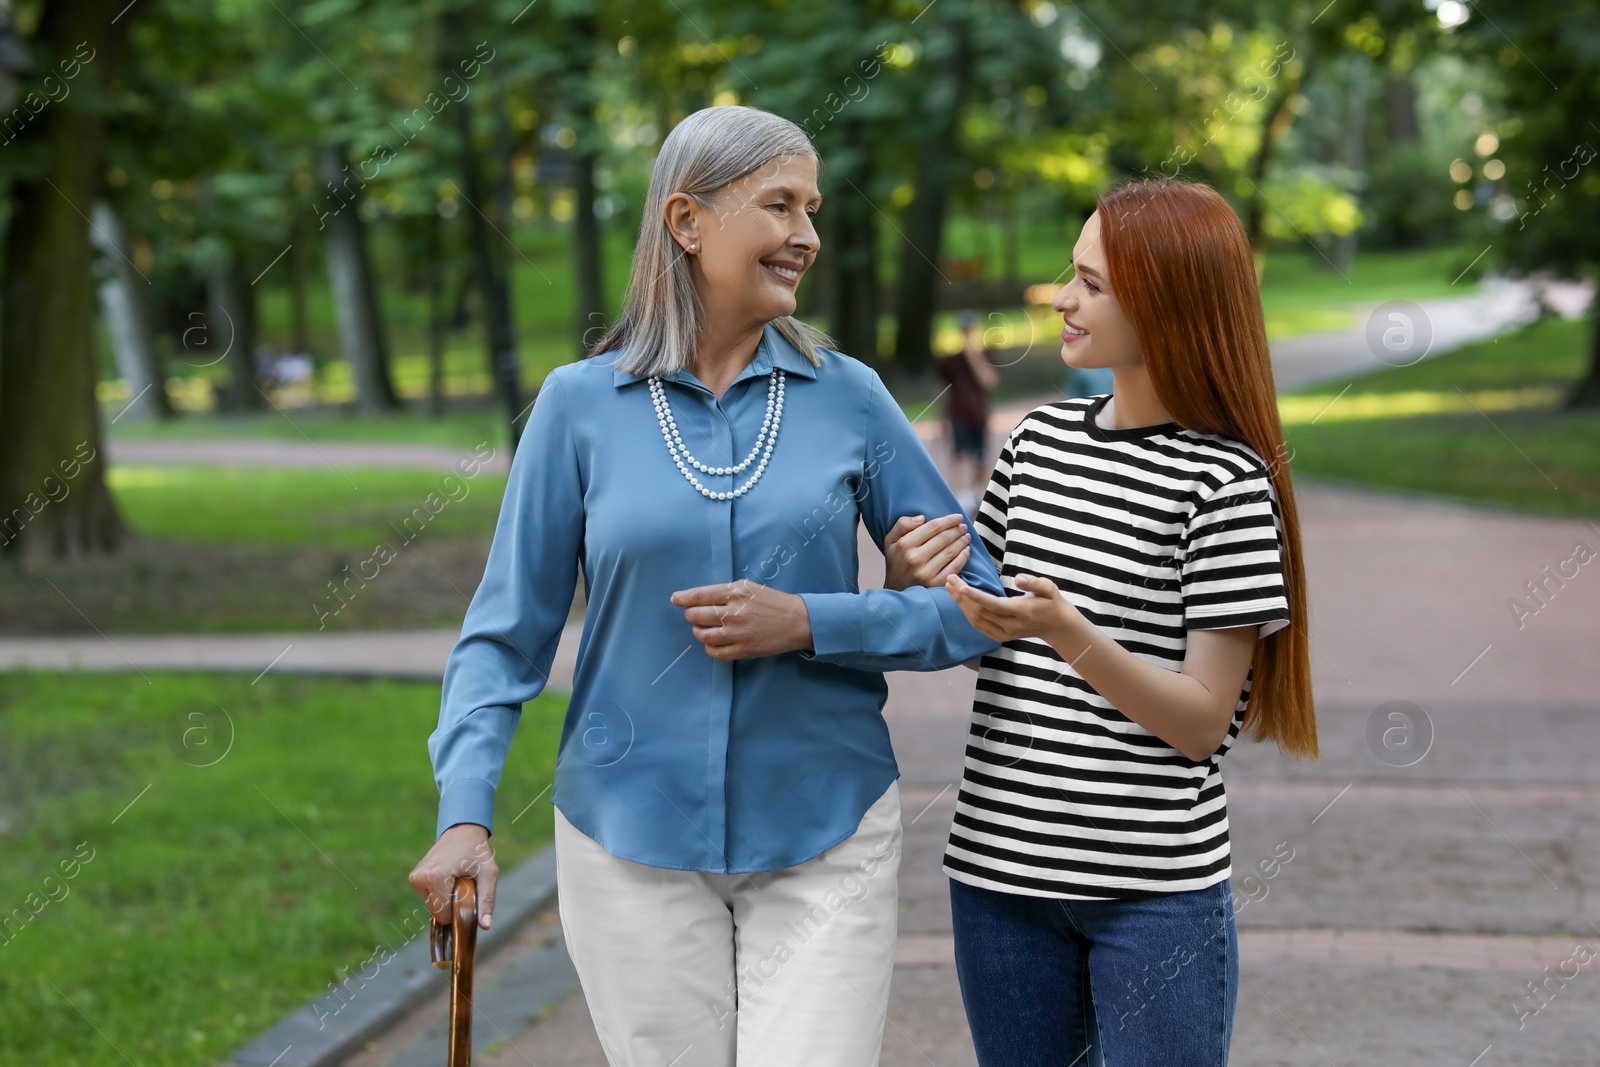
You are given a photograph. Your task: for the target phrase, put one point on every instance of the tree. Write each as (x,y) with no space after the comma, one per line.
(937,159)
(1548,60)
(823,67)
(888,96)
(489,262)
(127,313)
(576,88)
(355,289)
(53,496)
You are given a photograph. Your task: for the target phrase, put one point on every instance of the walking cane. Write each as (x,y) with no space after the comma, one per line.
(453,948)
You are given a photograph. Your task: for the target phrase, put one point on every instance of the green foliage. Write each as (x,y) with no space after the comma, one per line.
(1547,65)
(1408,193)
(1308,203)
(235,99)
(225,105)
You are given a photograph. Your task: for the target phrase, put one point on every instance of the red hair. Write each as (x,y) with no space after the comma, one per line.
(1182,271)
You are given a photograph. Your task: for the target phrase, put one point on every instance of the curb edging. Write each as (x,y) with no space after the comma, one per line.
(316,1037)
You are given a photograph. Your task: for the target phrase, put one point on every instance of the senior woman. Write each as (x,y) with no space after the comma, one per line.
(727,814)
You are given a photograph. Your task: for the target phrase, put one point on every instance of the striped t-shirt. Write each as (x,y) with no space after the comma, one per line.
(1150,531)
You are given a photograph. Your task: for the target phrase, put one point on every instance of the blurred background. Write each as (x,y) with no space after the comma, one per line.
(280,280)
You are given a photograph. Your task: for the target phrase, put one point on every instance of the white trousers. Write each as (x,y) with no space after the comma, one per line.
(786,968)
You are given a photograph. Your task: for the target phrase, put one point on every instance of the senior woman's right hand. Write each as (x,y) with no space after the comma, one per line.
(462,851)
(919,551)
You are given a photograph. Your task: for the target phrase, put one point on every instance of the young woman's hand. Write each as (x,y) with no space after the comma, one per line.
(1040,612)
(1189,709)
(918,551)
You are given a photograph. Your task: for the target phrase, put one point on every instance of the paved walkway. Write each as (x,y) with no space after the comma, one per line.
(1426,329)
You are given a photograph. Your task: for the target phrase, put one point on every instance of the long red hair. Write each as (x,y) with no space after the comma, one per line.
(1182,271)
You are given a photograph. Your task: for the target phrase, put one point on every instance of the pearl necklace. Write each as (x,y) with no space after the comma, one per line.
(680,451)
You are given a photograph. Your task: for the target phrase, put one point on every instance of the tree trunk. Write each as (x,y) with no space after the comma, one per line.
(1401,123)
(815,297)
(53,496)
(122,301)
(466,281)
(1273,129)
(853,271)
(433,285)
(1010,235)
(588,262)
(355,289)
(916,298)
(493,281)
(1586,393)
(587,258)
(299,287)
(1354,154)
(231,309)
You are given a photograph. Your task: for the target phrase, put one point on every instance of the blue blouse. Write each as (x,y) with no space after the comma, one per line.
(668,757)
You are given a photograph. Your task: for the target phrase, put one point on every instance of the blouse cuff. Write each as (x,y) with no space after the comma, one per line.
(835,624)
(466,800)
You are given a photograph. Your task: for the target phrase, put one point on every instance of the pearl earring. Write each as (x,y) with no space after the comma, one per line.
(695,247)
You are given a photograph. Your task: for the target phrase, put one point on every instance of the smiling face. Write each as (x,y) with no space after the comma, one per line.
(751,242)
(1095,333)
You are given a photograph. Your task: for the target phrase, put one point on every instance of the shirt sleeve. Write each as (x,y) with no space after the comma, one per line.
(1232,569)
(990,521)
(514,623)
(916,629)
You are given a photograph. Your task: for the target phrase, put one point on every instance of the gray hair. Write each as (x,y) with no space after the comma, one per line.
(661,315)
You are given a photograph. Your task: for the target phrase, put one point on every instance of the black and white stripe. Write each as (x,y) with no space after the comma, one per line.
(1151,532)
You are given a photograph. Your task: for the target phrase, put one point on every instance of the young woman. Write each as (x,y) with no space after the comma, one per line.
(727,825)
(1149,545)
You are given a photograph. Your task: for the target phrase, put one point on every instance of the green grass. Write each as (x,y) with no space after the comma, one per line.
(1301,293)
(354,509)
(215,899)
(461,427)
(1481,423)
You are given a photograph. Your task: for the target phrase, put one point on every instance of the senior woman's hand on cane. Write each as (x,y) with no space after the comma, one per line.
(462,851)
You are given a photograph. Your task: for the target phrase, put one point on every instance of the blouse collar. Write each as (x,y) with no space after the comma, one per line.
(774,352)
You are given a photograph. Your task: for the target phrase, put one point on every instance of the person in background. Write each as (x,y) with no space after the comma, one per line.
(969,376)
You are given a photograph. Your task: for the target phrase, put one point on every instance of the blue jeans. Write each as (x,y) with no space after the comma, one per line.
(1081,983)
